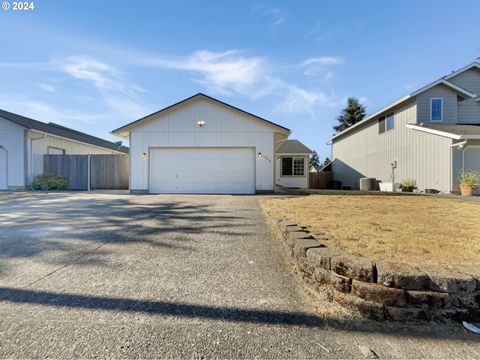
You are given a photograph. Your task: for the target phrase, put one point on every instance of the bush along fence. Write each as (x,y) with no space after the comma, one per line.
(382,290)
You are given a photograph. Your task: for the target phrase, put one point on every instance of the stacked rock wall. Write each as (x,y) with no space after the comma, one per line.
(383,289)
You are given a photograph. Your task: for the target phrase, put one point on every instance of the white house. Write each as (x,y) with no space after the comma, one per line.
(429,136)
(292,164)
(203,145)
(24,141)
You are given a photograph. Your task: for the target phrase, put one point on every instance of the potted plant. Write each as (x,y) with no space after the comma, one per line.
(409,185)
(469,182)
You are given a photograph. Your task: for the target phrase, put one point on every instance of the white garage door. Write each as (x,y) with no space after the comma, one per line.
(202,170)
(3,169)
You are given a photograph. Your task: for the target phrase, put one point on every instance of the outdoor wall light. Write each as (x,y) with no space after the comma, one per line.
(201,123)
(144,155)
(261,156)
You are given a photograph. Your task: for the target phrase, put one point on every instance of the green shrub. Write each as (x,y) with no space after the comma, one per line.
(470,178)
(409,183)
(49,182)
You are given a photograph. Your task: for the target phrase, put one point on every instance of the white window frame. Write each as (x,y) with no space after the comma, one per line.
(293,166)
(431,109)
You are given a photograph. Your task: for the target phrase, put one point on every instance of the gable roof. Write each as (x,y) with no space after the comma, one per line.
(453,131)
(292,147)
(198,95)
(61,131)
(442,81)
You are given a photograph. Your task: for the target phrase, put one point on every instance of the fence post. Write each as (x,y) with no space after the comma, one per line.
(88,173)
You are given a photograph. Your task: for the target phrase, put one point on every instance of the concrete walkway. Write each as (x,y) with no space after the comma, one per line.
(115,275)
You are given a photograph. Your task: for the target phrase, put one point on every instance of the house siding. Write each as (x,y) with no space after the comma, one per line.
(38,144)
(223,128)
(12,138)
(420,156)
(450,111)
(469,109)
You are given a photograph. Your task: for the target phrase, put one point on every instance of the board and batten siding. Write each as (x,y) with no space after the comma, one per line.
(223,128)
(449,104)
(420,156)
(12,139)
(469,109)
(38,144)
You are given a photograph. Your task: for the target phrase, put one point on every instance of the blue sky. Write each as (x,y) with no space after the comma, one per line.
(96,65)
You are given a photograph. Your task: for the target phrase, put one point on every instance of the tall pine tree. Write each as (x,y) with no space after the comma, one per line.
(350,115)
(314,159)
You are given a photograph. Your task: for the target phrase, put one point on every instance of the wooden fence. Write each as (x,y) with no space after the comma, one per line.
(89,172)
(319,180)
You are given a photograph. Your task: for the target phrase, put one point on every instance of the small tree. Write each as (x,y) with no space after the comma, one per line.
(326,161)
(314,159)
(350,115)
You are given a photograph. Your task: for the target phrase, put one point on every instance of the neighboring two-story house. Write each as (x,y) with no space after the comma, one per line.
(430,136)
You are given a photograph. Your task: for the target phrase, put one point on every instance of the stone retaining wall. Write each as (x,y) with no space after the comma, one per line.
(382,290)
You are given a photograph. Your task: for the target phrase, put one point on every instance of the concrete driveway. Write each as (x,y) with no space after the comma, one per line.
(115,275)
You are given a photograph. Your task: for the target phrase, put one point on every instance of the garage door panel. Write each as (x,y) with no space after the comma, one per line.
(202,170)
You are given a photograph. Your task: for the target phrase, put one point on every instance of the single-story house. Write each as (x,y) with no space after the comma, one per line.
(429,136)
(203,145)
(24,141)
(292,164)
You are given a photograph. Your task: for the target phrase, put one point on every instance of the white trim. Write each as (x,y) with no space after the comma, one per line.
(465,68)
(443,133)
(431,108)
(446,83)
(293,166)
(434,132)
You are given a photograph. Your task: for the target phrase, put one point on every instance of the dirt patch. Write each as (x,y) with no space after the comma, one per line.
(414,229)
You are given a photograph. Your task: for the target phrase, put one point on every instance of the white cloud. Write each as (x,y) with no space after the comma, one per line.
(97,73)
(318,66)
(276,16)
(222,72)
(47,87)
(300,100)
(318,33)
(111,109)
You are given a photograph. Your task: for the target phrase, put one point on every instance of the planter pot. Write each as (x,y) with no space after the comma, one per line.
(466,190)
(407,188)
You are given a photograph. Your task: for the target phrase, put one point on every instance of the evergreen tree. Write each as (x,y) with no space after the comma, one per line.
(314,159)
(350,115)
(326,161)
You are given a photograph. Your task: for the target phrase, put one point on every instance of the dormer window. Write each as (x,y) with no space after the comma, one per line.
(436,109)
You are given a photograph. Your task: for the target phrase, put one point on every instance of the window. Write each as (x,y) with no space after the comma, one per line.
(390,122)
(293,166)
(287,168)
(436,107)
(299,166)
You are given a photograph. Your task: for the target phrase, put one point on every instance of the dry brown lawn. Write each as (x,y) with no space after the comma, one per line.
(412,229)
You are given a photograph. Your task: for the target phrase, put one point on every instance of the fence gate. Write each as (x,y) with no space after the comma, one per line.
(89,172)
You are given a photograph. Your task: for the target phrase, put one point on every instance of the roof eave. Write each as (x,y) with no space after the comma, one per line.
(126,128)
